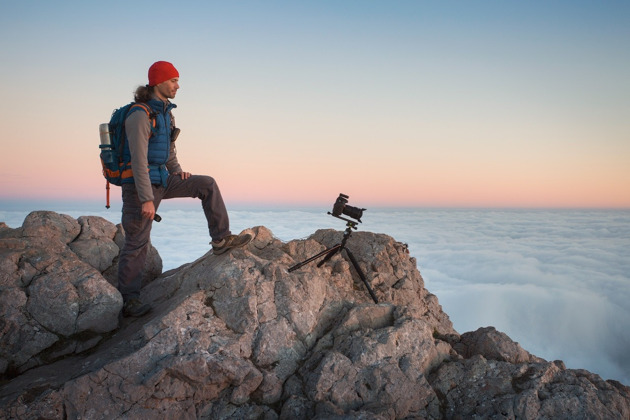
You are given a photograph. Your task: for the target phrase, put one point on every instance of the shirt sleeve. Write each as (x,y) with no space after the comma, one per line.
(172,164)
(138,130)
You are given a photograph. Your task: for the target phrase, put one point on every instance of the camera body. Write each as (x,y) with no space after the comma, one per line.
(341,207)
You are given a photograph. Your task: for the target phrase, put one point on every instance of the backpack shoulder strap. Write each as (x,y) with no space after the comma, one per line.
(149,111)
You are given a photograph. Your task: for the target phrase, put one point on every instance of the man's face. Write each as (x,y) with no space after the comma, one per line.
(167,89)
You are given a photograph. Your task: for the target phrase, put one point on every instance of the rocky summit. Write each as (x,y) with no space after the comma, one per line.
(239,336)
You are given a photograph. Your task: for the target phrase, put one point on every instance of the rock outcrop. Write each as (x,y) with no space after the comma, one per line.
(238,336)
(54,298)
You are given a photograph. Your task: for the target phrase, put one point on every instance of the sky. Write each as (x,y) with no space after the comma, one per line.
(397,103)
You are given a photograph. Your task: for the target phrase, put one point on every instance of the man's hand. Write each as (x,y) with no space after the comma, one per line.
(148,210)
(184,175)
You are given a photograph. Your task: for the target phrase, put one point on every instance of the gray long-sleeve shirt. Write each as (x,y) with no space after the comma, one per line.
(138,130)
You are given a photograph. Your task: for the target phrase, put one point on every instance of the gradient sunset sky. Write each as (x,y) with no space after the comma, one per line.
(414,103)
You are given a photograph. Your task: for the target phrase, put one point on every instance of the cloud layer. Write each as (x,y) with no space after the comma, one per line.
(558,282)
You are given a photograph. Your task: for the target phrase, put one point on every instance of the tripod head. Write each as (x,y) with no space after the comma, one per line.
(350,223)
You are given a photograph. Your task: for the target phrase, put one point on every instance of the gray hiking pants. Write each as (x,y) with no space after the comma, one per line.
(133,256)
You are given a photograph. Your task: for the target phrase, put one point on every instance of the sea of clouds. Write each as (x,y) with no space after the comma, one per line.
(556,281)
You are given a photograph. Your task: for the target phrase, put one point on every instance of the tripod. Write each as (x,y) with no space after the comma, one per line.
(337,248)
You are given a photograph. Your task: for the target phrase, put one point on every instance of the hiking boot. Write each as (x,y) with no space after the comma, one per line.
(135,308)
(230,242)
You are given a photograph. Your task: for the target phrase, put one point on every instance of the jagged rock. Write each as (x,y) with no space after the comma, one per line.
(239,336)
(493,345)
(481,388)
(51,226)
(54,300)
(95,244)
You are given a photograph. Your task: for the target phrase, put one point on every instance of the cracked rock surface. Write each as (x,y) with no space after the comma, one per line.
(238,336)
(55,296)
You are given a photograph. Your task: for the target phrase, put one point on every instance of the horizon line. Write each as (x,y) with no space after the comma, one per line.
(13,204)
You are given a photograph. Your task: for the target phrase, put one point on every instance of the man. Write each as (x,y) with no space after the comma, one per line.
(157,175)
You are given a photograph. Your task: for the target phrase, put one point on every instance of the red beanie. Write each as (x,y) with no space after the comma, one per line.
(161,71)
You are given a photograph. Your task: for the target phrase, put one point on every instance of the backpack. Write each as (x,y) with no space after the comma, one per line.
(115,168)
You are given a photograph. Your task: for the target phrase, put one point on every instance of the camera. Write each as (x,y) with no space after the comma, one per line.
(341,207)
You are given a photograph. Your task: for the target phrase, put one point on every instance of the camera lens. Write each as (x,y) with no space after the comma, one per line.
(354,212)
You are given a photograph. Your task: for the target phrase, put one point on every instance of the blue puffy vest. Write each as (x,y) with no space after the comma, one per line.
(159,142)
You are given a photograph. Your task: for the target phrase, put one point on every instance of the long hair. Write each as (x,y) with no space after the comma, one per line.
(143,93)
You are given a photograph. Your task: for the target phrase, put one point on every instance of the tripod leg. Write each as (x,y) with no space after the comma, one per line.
(332,252)
(356,267)
(328,251)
